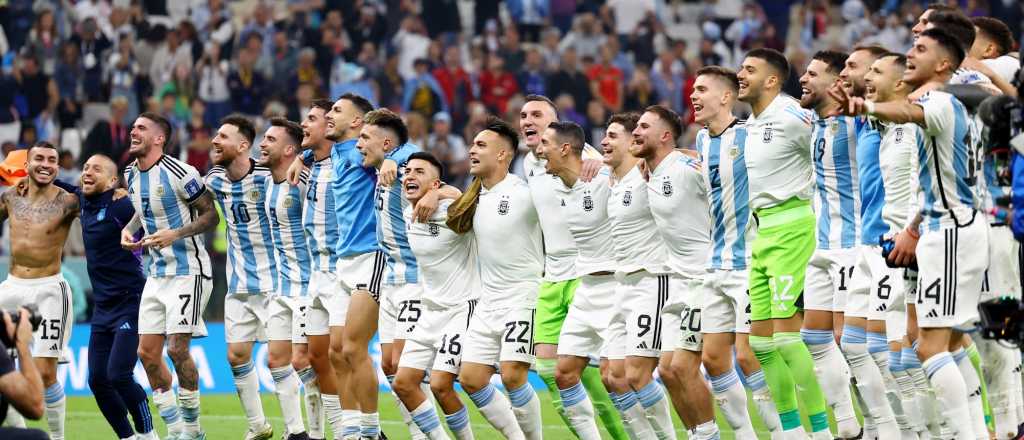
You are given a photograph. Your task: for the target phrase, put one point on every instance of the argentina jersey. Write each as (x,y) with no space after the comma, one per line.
(391,226)
(319,220)
(725,174)
(284,207)
(947,161)
(837,184)
(252,268)
(163,195)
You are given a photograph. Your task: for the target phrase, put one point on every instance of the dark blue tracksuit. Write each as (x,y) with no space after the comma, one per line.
(117,282)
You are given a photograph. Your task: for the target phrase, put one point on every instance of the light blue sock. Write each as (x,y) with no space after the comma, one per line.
(521,396)
(458,421)
(483,397)
(573,395)
(650,394)
(877,342)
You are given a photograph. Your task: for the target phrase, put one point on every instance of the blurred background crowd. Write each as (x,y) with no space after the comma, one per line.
(78,72)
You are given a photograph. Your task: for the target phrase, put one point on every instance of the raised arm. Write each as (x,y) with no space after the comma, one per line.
(897,111)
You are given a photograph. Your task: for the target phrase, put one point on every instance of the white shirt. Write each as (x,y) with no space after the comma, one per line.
(1005,66)
(778,154)
(679,204)
(586,214)
(638,246)
(449,270)
(948,163)
(897,158)
(510,246)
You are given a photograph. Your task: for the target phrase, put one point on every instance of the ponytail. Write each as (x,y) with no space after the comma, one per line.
(462,210)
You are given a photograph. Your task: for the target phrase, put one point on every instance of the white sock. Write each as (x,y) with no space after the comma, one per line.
(732,399)
(248,387)
(908,396)
(708,431)
(652,398)
(313,403)
(286,387)
(1000,362)
(1019,386)
(189,401)
(167,404)
(634,420)
(56,406)
(886,361)
(332,411)
(426,419)
(498,411)
(869,382)
(923,389)
(526,407)
(580,411)
(973,387)
(763,402)
(829,369)
(369,425)
(351,419)
(458,423)
(951,393)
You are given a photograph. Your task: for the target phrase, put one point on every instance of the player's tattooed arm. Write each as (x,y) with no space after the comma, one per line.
(207,219)
(71,206)
(3,206)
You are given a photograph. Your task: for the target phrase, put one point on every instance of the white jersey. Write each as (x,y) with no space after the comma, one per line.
(1005,66)
(679,204)
(947,161)
(723,162)
(449,267)
(560,251)
(898,161)
(638,245)
(970,76)
(510,245)
(252,267)
(163,197)
(319,219)
(586,215)
(836,183)
(779,154)
(284,208)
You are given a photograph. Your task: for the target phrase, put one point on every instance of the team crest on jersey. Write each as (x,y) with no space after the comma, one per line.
(159,191)
(627,198)
(734,152)
(767,136)
(666,188)
(899,134)
(588,203)
(288,202)
(434,229)
(833,125)
(503,207)
(254,195)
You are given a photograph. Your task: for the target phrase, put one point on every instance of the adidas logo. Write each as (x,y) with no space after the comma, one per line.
(450,362)
(692,339)
(642,346)
(183,322)
(932,314)
(410,329)
(880,308)
(126,326)
(976,393)
(521,350)
(54,348)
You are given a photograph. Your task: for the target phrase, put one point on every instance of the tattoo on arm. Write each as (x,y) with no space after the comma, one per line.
(207,219)
(3,207)
(71,206)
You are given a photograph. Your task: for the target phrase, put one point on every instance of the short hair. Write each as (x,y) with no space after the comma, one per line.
(669,117)
(571,132)
(244,125)
(939,7)
(46,145)
(361,103)
(503,130)
(724,74)
(426,156)
(948,42)
(956,24)
(900,59)
(292,129)
(628,120)
(322,104)
(541,98)
(161,122)
(775,59)
(995,30)
(387,119)
(875,50)
(834,60)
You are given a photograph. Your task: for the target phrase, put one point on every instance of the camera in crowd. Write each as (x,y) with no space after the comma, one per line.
(34,318)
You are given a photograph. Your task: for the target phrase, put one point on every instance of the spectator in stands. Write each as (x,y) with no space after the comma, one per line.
(549,49)
(69,170)
(44,41)
(213,71)
(370,28)
(182,88)
(569,79)
(247,85)
(606,81)
(450,149)
(168,55)
(110,136)
(566,106)
(511,50)
(412,43)
(455,83)
(68,76)
(529,17)
(10,125)
(284,57)
(305,70)
(641,93)
(422,93)
(586,37)
(199,133)
(122,71)
(667,80)
(38,89)
(532,79)
(93,45)
(497,85)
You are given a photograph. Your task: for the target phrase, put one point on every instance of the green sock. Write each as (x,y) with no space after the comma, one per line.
(591,379)
(794,352)
(780,382)
(546,371)
(975,358)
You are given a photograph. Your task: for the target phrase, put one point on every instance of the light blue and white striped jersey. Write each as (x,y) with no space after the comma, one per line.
(392,234)
(284,207)
(836,183)
(163,195)
(252,268)
(725,174)
(319,218)
(947,161)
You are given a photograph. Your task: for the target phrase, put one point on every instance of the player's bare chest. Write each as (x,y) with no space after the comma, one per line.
(36,214)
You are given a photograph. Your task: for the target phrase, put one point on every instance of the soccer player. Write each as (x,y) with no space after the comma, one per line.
(240,187)
(287,351)
(726,316)
(779,172)
(971,70)
(675,188)
(498,209)
(950,276)
(174,209)
(40,219)
(560,254)
(451,283)
(992,45)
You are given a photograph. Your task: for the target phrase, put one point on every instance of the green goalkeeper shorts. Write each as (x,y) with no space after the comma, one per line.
(552,305)
(784,244)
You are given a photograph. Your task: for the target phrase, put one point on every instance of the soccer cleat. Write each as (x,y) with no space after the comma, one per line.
(299,436)
(266,432)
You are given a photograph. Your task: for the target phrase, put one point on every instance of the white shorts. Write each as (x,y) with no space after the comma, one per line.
(400,310)
(726,306)
(589,318)
(327,303)
(681,316)
(643,299)
(614,347)
(286,318)
(1002,279)
(52,297)
(174,305)
(877,288)
(245,317)
(362,272)
(829,274)
(501,335)
(952,264)
(438,339)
